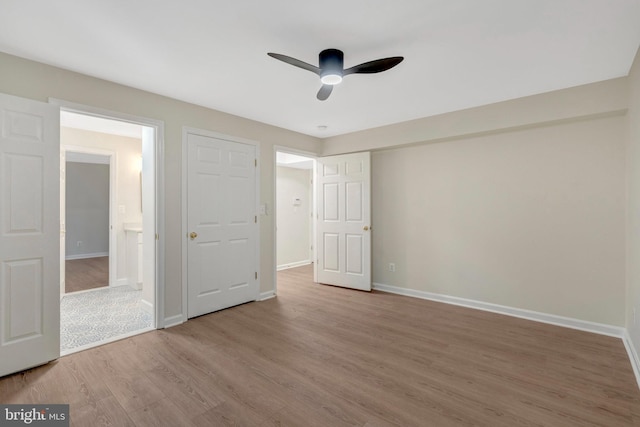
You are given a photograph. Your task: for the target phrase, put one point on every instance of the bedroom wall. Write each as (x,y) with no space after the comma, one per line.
(33,80)
(531,219)
(592,100)
(598,107)
(519,203)
(633,213)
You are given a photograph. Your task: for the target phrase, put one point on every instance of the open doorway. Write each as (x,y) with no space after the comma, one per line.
(294,207)
(87,211)
(121,302)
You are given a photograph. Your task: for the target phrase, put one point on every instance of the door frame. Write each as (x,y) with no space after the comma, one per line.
(158,166)
(113,197)
(186,130)
(314,216)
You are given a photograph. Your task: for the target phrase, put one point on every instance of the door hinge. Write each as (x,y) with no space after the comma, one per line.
(255,162)
(256,275)
(157,237)
(255,219)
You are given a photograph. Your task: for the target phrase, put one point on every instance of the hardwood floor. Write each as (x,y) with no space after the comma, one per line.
(84,274)
(324,356)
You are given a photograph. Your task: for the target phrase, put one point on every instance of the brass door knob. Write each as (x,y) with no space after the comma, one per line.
(193,235)
(366,228)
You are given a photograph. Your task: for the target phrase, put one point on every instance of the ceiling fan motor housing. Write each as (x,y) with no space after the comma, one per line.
(331,63)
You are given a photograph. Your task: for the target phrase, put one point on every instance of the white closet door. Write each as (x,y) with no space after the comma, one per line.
(222,224)
(29,233)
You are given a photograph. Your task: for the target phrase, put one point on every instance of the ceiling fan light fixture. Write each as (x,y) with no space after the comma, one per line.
(331,78)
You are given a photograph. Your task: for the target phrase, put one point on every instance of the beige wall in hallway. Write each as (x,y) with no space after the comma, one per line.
(294,220)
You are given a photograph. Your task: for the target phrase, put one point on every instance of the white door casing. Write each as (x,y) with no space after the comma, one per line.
(343,187)
(63,220)
(29,233)
(222,228)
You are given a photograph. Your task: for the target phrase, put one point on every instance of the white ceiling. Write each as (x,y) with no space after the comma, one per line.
(458,53)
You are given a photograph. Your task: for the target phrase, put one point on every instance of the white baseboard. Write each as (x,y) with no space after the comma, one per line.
(147,306)
(85,256)
(267,295)
(567,322)
(293,265)
(119,282)
(173,321)
(633,355)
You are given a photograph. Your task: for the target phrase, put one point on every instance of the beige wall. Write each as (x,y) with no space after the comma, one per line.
(37,81)
(532,219)
(519,203)
(633,214)
(597,99)
(294,221)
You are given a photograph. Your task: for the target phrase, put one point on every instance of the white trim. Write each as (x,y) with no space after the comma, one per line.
(158,128)
(186,130)
(146,306)
(121,282)
(267,295)
(85,256)
(185,226)
(633,355)
(293,265)
(567,322)
(172,321)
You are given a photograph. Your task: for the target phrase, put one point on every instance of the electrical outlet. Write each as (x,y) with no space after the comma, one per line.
(392,267)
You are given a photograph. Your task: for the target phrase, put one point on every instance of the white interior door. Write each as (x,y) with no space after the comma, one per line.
(29,234)
(344,221)
(222,224)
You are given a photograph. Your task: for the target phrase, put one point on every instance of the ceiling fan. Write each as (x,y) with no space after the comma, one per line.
(331,69)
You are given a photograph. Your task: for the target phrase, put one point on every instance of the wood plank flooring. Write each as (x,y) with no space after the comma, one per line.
(84,274)
(324,356)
